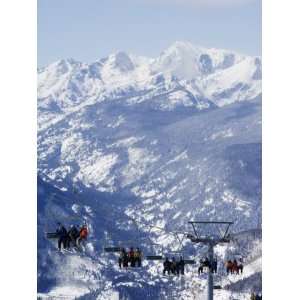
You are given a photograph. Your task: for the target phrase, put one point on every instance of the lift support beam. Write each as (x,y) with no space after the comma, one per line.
(211,242)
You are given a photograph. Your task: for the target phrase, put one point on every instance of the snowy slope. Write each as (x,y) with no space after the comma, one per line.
(94,274)
(161,140)
(209,160)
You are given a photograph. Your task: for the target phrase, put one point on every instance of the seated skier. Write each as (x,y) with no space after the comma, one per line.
(167,266)
(240,266)
(173,266)
(125,260)
(201,267)
(177,267)
(138,257)
(252,296)
(73,235)
(181,265)
(235,268)
(131,257)
(83,234)
(229,267)
(62,235)
(215,266)
(122,258)
(258,297)
(206,263)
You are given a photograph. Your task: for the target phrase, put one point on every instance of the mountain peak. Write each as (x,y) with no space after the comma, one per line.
(65,62)
(179,60)
(180,48)
(182,45)
(121,60)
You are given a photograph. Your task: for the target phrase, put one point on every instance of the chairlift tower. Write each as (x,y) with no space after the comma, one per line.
(211,240)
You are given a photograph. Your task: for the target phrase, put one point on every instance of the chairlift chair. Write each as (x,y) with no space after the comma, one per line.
(217,287)
(178,254)
(112,249)
(120,245)
(66,221)
(154,257)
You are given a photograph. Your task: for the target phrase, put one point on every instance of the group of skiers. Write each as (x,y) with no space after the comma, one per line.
(132,258)
(205,263)
(173,267)
(74,235)
(234,267)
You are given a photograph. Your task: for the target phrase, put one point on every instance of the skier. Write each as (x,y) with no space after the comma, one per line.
(229,267)
(131,258)
(181,265)
(62,235)
(235,267)
(177,267)
(201,267)
(252,297)
(138,257)
(241,268)
(215,266)
(206,262)
(122,258)
(167,266)
(73,235)
(125,259)
(173,265)
(83,234)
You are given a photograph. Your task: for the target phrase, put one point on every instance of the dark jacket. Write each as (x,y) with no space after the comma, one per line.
(73,232)
(62,231)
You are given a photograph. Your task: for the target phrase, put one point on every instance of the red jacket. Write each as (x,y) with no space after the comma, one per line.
(83,232)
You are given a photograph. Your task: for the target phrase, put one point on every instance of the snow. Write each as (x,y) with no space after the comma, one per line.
(97,170)
(66,292)
(138,161)
(126,142)
(222,134)
(66,84)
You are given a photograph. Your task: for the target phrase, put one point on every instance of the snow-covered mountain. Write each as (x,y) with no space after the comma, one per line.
(183,76)
(161,140)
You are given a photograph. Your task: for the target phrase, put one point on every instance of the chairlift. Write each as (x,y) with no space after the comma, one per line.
(121,244)
(178,254)
(154,257)
(217,287)
(170,254)
(51,235)
(66,221)
(179,236)
(127,259)
(174,254)
(112,249)
(189,261)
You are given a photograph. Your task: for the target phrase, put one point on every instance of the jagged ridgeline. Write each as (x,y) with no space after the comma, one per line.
(135,148)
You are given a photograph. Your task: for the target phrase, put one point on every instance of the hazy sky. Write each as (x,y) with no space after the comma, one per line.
(91,29)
